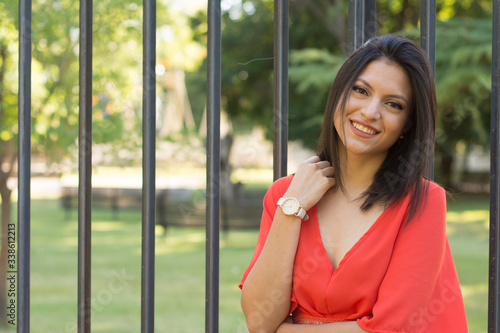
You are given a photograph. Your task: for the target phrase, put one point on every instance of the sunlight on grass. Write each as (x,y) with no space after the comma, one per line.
(469,216)
(471,290)
(107,226)
(259,176)
(180,243)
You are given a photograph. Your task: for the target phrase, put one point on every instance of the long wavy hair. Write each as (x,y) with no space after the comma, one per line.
(408,160)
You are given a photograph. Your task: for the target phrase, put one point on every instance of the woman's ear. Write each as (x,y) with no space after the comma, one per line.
(407,126)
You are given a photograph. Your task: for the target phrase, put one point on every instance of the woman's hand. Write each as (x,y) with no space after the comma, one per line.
(311,181)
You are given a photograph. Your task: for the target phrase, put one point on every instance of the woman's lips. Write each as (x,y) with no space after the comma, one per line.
(362,130)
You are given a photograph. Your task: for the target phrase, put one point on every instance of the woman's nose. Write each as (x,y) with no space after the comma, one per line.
(371,110)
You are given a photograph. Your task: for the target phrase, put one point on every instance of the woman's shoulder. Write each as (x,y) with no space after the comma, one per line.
(433,190)
(432,205)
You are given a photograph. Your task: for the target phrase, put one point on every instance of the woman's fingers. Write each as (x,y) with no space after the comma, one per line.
(328,171)
(312,179)
(323,164)
(312,159)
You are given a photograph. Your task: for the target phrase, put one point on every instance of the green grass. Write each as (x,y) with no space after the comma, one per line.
(180,270)
(468,224)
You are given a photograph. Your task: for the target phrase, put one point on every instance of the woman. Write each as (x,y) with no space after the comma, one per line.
(356,240)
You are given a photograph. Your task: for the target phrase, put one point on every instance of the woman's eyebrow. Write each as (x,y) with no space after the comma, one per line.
(393,96)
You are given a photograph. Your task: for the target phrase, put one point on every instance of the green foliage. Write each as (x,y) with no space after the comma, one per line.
(117,70)
(311,73)
(463,77)
(8,76)
(247,63)
(306,61)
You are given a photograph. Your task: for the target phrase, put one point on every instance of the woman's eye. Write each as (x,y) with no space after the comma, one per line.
(360,90)
(395,105)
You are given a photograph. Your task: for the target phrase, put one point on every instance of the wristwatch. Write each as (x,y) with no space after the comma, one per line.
(291,206)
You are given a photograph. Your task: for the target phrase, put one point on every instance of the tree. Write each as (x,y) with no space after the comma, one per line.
(117,80)
(463,78)
(247,61)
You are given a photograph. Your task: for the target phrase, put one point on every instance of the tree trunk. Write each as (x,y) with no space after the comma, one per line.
(446,169)
(5,194)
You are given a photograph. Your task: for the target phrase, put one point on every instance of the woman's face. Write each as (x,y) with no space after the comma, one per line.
(376,111)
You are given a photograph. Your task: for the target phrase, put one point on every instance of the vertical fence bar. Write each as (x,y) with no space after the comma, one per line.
(428,29)
(370,18)
(494,281)
(428,43)
(24,167)
(356,25)
(85,168)
(281,46)
(213,167)
(148,166)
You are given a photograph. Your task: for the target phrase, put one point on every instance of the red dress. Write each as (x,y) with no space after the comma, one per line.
(395,279)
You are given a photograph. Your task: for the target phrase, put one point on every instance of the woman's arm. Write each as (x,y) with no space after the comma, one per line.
(266,293)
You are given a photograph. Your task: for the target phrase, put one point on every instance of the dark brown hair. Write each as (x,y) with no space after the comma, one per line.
(407,160)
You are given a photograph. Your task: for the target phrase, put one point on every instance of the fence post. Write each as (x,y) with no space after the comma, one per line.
(428,29)
(281,46)
(85,168)
(428,43)
(148,166)
(213,167)
(494,265)
(356,25)
(361,23)
(370,13)
(24,167)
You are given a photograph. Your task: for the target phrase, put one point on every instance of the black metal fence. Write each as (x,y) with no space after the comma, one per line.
(362,20)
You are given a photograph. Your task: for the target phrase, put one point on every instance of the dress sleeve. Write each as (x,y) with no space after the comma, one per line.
(276,191)
(420,291)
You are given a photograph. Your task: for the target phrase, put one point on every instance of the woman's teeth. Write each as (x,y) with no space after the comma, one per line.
(363,128)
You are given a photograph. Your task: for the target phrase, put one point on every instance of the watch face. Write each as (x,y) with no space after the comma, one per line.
(290,206)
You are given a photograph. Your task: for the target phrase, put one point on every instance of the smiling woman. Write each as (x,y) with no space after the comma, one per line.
(373,255)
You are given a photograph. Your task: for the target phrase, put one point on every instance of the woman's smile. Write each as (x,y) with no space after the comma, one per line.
(364,129)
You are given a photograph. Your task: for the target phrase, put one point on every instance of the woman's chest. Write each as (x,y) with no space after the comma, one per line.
(341,225)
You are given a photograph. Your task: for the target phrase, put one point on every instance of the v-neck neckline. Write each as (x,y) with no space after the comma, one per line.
(334,270)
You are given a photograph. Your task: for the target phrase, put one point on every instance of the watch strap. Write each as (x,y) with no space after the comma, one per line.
(302,214)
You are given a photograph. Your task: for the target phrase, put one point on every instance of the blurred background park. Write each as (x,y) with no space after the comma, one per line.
(318,46)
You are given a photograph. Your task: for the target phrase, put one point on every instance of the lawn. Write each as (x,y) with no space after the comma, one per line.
(180,270)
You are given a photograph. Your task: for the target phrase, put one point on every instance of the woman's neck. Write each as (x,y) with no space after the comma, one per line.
(358,172)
